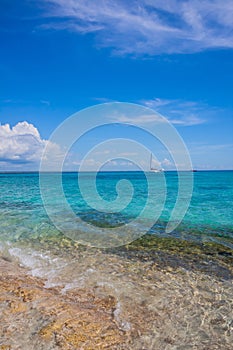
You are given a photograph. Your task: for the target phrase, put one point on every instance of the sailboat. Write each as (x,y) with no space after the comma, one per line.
(154,170)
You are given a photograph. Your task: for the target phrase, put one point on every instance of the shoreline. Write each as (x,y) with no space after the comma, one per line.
(56,321)
(155,293)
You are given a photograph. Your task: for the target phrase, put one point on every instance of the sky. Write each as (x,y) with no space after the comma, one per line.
(60,56)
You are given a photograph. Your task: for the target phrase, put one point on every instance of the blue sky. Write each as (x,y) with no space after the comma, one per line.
(60,56)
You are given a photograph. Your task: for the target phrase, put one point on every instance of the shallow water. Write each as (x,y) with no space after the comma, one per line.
(167,291)
(160,300)
(22,213)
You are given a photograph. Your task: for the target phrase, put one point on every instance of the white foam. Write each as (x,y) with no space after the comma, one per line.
(57,272)
(124,325)
(40,265)
(118,314)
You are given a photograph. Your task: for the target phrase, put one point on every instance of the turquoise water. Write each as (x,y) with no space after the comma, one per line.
(167,297)
(22,214)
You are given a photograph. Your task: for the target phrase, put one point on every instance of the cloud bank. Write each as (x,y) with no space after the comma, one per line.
(21,143)
(148,27)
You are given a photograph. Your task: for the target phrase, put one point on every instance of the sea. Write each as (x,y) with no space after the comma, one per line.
(148,275)
(210,212)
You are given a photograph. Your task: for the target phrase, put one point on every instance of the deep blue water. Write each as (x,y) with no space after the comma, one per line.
(22,213)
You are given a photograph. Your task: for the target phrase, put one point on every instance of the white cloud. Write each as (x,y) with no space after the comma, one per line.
(45,102)
(157,102)
(147,26)
(141,119)
(189,120)
(167,163)
(22,144)
(104,99)
(180,112)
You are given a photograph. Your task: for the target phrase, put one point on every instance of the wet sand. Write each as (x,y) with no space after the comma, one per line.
(133,298)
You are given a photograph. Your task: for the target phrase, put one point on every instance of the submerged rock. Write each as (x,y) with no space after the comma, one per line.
(138,298)
(33,317)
